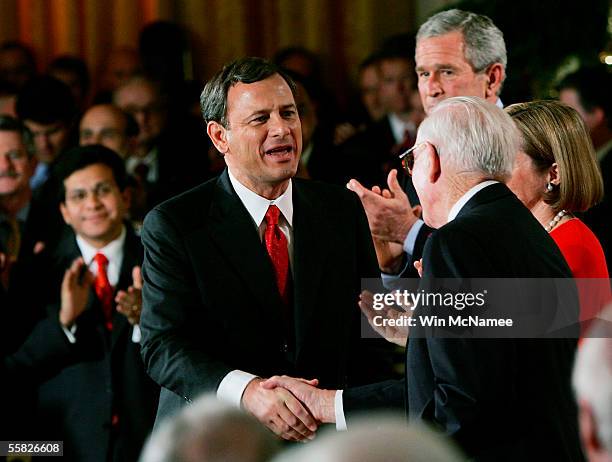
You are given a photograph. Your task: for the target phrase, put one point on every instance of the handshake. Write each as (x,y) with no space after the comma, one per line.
(292,408)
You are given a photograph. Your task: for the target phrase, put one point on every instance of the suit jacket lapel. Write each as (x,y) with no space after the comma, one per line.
(233,231)
(309,253)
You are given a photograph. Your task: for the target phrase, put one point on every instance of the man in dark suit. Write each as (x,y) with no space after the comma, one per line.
(448,63)
(500,399)
(254,273)
(166,159)
(371,154)
(101,403)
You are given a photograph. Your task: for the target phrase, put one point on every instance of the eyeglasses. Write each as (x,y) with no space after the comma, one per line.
(99,191)
(407,157)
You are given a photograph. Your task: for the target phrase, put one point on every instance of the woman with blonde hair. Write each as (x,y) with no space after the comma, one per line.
(555,175)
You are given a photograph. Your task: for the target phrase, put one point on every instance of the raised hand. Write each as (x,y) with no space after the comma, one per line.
(388,330)
(280,411)
(319,402)
(129,303)
(75,292)
(418,265)
(389,213)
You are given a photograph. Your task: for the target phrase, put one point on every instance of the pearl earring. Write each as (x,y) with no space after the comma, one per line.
(549,187)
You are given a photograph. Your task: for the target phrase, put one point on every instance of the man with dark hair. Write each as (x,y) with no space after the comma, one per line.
(72,70)
(166,158)
(17,65)
(249,274)
(46,106)
(589,91)
(371,154)
(101,404)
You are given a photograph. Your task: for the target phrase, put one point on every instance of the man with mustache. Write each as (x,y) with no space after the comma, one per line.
(254,272)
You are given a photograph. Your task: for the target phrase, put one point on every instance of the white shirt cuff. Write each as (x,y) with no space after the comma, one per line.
(136,335)
(411,238)
(232,387)
(70,333)
(339,412)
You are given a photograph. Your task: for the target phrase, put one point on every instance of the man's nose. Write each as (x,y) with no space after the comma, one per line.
(5,163)
(279,126)
(92,200)
(433,86)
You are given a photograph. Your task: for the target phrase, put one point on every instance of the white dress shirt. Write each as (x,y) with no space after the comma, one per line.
(113,251)
(234,383)
(150,160)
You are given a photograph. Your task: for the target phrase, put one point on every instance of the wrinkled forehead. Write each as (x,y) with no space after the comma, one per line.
(266,94)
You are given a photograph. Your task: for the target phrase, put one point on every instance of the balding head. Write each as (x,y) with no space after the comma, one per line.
(109,126)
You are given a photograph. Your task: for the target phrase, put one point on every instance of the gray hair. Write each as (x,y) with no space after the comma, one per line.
(592,377)
(209,431)
(484,42)
(376,438)
(472,135)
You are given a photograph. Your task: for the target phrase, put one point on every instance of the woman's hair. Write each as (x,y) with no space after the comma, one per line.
(553,132)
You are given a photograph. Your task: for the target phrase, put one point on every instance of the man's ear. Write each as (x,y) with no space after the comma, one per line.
(65,214)
(495,76)
(218,135)
(553,175)
(433,164)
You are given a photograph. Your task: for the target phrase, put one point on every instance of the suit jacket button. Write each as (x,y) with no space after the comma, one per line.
(284,347)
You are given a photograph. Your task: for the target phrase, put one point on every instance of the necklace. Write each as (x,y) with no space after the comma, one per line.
(555,221)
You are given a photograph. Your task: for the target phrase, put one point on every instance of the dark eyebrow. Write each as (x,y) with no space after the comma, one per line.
(437,67)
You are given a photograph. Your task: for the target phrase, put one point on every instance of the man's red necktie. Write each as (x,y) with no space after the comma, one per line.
(276,245)
(103,289)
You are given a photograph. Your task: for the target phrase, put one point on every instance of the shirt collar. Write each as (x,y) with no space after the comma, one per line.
(455,209)
(112,250)
(399,127)
(257,206)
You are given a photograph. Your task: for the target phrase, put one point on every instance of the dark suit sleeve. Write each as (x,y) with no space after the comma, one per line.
(468,375)
(172,320)
(45,352)
(388,394)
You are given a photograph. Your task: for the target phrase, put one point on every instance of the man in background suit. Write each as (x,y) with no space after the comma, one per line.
(102,403)
(254,273)
(372,153)
(500,399)
(458,53)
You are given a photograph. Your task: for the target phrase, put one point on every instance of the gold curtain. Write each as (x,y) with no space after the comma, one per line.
(342,32)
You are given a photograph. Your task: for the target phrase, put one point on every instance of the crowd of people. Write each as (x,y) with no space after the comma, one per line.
(157,270)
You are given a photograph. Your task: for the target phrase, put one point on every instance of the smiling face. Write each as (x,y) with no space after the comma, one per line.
(444,72)
(16,166)
(93,206)
(262,142)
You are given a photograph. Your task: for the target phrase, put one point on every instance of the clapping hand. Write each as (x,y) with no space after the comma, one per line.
(129,303)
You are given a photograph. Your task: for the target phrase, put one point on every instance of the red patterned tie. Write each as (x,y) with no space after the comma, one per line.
(276,245)
(104,290)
